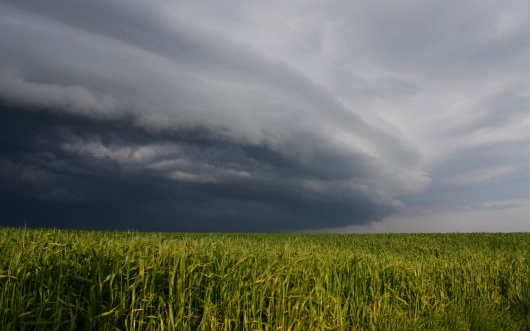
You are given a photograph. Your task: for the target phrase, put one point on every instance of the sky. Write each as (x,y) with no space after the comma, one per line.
(265,116)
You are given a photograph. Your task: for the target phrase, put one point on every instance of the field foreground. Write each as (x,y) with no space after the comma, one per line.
(76,280)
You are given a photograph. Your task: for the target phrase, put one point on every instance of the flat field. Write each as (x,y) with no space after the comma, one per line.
(81,280)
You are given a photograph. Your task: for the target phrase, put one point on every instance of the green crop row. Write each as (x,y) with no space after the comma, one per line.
(80,280)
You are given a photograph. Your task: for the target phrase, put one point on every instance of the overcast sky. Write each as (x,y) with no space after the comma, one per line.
(237,115)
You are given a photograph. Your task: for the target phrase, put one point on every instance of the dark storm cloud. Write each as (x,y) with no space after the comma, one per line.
(192,181)
(252,116)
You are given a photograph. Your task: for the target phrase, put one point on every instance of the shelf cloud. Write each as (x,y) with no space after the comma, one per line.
(280,116)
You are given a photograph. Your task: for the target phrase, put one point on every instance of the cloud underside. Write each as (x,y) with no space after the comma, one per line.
(245,117)
(78,172)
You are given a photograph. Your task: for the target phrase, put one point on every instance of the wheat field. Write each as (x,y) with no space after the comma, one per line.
(89,280)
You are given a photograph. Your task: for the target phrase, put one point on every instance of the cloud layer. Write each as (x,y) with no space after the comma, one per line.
(252,116)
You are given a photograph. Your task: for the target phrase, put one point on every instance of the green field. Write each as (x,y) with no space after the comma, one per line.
(77,280)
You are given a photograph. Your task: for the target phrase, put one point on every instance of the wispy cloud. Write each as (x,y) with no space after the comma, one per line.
(480,175)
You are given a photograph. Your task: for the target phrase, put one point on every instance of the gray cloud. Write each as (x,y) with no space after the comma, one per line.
(251,116)
(180,180)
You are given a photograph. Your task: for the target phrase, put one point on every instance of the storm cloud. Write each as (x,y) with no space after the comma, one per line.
(241,116)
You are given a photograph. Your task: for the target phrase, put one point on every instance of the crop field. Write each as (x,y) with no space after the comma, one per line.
(87,280)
